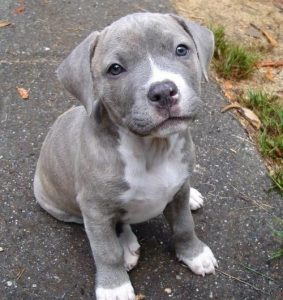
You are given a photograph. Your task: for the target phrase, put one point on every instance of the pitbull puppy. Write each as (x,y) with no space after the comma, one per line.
(126,155)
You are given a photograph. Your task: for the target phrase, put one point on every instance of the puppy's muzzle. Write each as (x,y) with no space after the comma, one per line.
(163,94)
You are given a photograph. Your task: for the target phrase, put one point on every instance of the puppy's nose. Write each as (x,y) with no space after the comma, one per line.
(163,94)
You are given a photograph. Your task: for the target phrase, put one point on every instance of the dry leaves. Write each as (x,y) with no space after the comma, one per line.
(4,23)
(228,90)
(24,94)
(269,75)
(230,106)
(21,8)
(248,114)
(140,297)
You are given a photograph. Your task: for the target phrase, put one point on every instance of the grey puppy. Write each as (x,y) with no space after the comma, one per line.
(126,155)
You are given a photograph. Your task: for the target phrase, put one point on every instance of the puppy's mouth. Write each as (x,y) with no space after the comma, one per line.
(173,120)
(171,123)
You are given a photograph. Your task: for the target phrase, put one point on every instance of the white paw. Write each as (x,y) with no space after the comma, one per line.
(196,199)
(130,246)
(123,292)
(202,264)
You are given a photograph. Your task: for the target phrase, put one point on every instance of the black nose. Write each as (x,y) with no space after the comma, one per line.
(163,94)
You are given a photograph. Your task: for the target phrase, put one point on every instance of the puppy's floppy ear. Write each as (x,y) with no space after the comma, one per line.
(203,39)
(75,72)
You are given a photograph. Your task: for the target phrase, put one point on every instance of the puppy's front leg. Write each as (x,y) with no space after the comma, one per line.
(112,280)
(189,249)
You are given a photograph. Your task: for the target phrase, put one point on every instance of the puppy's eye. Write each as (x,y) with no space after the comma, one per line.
(182,50)
(115,69)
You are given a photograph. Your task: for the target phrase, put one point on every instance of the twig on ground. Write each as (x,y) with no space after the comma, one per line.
(243,139)
(247,207)
(269,38)
(192,17)
(242,281)
(257,272)
(273,64)
(139,8)
(30,62)
(20,273)
(259,204)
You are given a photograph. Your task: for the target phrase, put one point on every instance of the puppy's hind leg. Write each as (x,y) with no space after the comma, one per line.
(131,247)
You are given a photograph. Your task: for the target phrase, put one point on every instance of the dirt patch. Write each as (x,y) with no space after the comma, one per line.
(254,24)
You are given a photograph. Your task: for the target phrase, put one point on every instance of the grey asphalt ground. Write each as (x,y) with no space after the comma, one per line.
(43,258)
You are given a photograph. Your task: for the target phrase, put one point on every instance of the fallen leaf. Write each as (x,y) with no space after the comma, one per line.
(230,95)
(230,106)
(4,23)
(228,90)
(19,10)
(269,75)
(140,297)
(227,85)
(23,92)
(250,116)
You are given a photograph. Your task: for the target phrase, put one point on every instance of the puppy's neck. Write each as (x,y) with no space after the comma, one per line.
(151,150)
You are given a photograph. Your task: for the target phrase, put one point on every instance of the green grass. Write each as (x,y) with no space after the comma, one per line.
(235,62)
(270,138)
(231,60)
(220,41)
(271,115)
(278,235)
(277,178)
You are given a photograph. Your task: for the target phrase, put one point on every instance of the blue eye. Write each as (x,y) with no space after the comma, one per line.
(115,69)
(182,50)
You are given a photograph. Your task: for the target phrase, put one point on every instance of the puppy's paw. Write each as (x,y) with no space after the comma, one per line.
(196,199)
(131,258)
(203,263)
(123,292)
(131,248)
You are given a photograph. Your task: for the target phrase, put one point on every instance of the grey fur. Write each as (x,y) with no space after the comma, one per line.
(203,39)
(75,73)
(80,175)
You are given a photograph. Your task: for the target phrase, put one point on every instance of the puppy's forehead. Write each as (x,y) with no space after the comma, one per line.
(139,32)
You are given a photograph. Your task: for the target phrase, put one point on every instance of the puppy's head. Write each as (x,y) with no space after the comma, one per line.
(145,69)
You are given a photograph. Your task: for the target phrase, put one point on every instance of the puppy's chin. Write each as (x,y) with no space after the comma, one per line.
(170,127)
(162,129)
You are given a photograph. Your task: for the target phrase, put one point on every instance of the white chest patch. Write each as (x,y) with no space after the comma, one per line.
(154,172)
